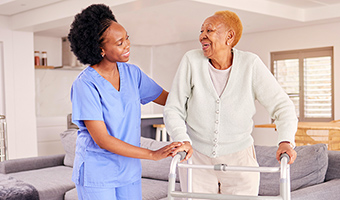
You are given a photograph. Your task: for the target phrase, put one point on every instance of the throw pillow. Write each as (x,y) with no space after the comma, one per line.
(68,140)
(308,169)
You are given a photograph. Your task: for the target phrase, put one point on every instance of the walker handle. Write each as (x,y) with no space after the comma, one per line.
(285,155)
(182,154)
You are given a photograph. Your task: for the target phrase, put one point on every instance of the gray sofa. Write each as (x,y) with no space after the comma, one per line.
(314,175)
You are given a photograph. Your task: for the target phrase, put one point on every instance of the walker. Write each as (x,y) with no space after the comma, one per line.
(284,170)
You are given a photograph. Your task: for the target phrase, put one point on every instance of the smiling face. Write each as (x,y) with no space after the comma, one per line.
(213,37)
(116,44)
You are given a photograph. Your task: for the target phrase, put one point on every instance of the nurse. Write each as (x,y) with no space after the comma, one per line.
(106,98)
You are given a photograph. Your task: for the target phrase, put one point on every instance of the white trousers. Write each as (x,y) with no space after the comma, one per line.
(228,182)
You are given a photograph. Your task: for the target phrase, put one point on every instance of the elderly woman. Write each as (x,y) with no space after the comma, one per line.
(106,98)
(212,102)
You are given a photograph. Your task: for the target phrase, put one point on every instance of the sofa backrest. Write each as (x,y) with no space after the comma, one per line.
(333,171)
(32,163)
(308,169)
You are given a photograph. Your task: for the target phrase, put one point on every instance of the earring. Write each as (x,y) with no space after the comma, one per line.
(103,55)
(228,43)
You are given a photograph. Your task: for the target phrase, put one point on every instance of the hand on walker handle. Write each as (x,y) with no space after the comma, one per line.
(186,146)
(165,151)
(285,147)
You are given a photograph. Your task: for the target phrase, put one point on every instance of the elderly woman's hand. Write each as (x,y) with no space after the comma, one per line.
(285,147)
(186,146)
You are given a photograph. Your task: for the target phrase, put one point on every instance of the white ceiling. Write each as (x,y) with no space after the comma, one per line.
(155,22)
(305,4)
(12,7)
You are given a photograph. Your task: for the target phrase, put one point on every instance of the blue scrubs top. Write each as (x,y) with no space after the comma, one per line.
(94,98)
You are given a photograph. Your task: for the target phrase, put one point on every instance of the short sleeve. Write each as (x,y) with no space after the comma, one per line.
(85,102)
(149,90)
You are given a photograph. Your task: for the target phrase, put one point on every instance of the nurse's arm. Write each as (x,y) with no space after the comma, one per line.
(100,135)
(161,99)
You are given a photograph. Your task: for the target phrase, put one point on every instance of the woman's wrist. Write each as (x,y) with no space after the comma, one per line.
(287,142)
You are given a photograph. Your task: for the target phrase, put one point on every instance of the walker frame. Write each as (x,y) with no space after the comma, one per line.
(284,170)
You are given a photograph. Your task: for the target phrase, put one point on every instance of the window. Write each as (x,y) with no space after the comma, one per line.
(307,77)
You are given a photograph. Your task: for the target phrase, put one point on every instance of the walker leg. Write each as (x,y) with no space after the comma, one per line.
(164,135)
(190,178)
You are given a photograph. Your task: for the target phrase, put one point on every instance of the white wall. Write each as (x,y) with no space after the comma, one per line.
(19,91)
(141,56)
(2,85)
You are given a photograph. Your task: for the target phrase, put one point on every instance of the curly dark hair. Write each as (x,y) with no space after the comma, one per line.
(86,32)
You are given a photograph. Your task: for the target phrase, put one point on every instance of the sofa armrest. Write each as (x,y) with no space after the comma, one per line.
(325,190)
(333,171)
(25,164)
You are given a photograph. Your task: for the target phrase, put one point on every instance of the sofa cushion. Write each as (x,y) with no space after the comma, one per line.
(51,183)
(327,190)
(155,169)
(71,195)
(68,140)
(308,169)
(148,190)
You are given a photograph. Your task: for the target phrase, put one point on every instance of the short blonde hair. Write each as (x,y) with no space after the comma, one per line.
(230,19)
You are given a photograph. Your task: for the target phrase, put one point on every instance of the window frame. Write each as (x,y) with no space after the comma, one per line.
(301,55)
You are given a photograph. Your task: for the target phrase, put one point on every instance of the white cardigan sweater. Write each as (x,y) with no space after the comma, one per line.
(215,125)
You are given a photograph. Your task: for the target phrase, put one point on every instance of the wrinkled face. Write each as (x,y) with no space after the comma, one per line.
(116,44)
(213,36)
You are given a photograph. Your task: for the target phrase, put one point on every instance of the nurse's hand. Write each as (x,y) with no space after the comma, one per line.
(186,146)
(165,151)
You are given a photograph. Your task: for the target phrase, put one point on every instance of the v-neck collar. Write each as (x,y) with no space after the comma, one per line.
(230,80)
(105,82)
